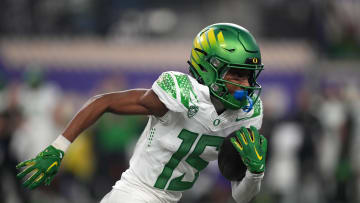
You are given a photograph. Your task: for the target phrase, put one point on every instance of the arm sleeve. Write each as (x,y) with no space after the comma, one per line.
(243,191)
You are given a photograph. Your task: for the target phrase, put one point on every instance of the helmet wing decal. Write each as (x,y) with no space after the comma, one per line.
(204,42)
(221,39)
(211,36)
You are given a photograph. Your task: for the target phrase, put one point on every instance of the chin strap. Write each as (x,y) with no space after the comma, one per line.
(243,94)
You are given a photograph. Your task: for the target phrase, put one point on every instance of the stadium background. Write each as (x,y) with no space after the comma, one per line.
(54,55)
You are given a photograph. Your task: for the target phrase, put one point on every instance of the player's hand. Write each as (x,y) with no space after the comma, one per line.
(252,148)
(43,167)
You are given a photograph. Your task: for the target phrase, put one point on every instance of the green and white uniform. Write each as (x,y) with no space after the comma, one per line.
(173,149)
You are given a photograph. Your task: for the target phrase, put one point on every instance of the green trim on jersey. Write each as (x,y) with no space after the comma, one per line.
(151,136)
(185,90)
(166,82)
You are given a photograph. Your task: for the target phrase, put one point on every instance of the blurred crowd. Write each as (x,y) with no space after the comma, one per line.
(313,154)
(331,25)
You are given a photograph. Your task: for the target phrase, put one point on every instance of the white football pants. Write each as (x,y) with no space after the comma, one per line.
(120,196)
(125,192)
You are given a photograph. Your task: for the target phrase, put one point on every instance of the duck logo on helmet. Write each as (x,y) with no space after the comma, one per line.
(255,60)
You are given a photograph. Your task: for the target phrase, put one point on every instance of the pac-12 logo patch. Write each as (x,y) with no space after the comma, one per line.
(193,109)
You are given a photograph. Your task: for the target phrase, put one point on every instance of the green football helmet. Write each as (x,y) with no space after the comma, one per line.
(218,48)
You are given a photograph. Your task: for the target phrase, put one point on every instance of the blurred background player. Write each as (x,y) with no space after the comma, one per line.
(10,119)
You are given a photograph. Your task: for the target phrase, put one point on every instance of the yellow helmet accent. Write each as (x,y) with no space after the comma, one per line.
(204,42)
(211,36)
(221,39)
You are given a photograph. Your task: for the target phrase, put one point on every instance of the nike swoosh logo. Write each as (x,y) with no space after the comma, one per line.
(52,165)
(257,154)
(229,50)
(240,119)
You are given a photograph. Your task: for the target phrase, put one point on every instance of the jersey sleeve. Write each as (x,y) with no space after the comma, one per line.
(243,191)
(175,90)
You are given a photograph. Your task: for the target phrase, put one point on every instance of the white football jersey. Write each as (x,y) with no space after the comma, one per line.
(173,149)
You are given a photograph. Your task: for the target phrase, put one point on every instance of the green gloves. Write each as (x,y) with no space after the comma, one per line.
(44,167)
(252,148)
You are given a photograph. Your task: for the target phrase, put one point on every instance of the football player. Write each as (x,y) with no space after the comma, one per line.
(189,117)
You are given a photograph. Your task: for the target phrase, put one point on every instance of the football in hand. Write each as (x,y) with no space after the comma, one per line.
(229,160)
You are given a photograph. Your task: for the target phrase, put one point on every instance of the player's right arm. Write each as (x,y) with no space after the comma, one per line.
(132,102)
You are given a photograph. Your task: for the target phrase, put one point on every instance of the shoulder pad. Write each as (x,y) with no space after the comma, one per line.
(177,87)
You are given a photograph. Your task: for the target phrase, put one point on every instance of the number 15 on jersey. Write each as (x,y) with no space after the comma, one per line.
(194,160)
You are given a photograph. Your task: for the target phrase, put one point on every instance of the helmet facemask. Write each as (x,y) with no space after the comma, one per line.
(219,89)
(212,58)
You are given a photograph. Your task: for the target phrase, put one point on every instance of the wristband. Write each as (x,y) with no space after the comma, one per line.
(254,175)
(61,143)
